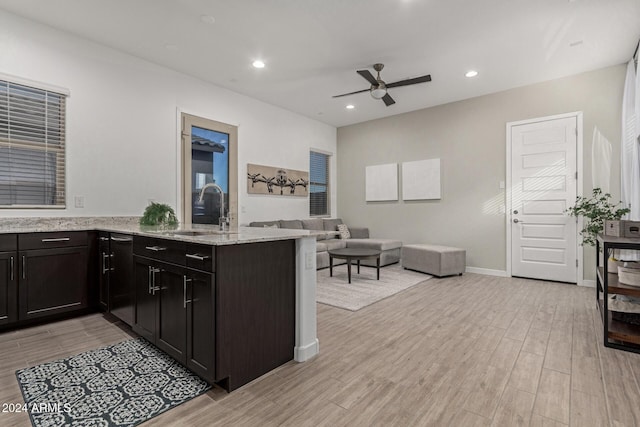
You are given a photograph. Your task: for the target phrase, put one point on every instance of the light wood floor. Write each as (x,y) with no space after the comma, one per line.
(464,351)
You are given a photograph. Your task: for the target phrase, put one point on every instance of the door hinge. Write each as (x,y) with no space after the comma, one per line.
(576,175)
(576,263)
(576,130)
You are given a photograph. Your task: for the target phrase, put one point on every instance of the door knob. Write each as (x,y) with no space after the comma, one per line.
(516,220)
(515,212)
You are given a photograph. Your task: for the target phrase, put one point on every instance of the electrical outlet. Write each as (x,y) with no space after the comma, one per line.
(308,260)
(79,201)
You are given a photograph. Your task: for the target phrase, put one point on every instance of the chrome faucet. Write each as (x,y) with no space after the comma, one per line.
(222,221)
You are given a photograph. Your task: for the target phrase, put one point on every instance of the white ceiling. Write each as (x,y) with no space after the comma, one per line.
(313,48)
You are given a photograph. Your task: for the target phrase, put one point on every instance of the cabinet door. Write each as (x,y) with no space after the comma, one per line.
(201,324)
(145,308)
(172,317)
(8,287)
(103,281)
(121,284)
(52,281)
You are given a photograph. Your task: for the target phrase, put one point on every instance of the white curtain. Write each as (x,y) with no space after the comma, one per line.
(601,161)
(629,151)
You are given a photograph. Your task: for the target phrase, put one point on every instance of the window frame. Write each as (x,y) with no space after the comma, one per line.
(327,185)
(59,198)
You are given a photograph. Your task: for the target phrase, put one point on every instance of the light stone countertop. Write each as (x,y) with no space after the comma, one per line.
(197,233)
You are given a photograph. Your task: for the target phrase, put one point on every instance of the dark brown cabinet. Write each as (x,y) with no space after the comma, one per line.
(104,254)
(8,279)
(175,305)
(255,309)
(117,289)
(161,309)
(53,274)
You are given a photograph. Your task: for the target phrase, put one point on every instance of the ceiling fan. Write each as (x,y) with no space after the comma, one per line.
(379,88)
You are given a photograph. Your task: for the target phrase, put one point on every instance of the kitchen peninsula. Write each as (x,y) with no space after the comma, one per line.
(230,306)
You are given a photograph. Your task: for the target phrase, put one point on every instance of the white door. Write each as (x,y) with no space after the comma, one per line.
(543,185)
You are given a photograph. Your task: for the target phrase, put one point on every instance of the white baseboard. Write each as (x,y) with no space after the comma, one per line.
(301,354)
(486,271)
(588,283)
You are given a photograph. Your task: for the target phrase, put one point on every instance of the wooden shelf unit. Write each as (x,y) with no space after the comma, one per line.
(616,334)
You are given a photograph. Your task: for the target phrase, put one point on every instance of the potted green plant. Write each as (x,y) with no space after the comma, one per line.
(596,209)
(159,214)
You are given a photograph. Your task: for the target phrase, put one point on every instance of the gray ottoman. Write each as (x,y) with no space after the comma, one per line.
(435,260)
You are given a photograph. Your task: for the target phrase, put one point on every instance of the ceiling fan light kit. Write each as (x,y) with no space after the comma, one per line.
(379,89)
(378,92)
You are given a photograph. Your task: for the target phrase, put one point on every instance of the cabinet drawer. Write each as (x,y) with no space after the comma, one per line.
(8,242)
(162,249)
(201,257)
(52,240)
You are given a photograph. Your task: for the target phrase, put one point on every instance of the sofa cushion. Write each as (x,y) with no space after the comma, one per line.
(264,224)
(343,231)
(334,244)
(294,224)
(313,224)
(331,224)
(321,246)
(379,244)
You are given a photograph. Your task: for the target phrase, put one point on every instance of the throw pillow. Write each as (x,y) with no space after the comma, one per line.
(343,230)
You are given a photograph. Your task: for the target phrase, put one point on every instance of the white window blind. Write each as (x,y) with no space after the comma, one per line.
(319,184)
(32,147)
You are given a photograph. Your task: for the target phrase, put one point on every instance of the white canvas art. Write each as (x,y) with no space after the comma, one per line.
(421,180)
(381,183)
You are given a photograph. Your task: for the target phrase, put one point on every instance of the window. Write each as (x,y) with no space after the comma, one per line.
(319,184)
(32,146)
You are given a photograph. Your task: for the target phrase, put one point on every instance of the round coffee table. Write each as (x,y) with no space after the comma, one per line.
(357,254)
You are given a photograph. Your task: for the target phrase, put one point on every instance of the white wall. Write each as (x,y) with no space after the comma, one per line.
(469,138)
(122,141)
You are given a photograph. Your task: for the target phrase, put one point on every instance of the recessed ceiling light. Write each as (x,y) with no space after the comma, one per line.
(350,107)
(208,19)
(171,47)
(471,73)
(258,64)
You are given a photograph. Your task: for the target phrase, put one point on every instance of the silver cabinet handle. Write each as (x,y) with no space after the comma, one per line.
(198,257)
(149,291)
(106,257)
(155,248)
(122,239)
(104,239)
(24,267)
(154,288)
(184,289)
(59,239)
(104,263)
(11,267)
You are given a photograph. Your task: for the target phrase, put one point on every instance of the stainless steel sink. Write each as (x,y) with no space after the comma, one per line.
(198,232)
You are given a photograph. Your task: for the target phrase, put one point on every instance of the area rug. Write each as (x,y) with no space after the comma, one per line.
(124,384)
(364,289)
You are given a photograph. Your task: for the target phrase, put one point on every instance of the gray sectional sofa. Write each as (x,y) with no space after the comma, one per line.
(359,239)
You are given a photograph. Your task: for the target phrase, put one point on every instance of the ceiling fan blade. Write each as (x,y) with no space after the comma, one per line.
(388,100)
(412,81)
(351,93)
(368,77)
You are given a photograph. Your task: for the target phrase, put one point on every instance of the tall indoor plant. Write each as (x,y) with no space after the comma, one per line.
(596,209)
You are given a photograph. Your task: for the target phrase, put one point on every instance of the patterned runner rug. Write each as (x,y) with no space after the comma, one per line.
(364,289)
(124,384)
